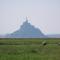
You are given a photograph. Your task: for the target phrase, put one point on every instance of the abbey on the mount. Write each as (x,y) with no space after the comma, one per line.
(27,31)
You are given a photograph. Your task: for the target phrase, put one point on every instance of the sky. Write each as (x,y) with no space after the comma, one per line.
(43,14)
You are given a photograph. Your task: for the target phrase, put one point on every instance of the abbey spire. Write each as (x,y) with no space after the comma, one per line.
(26,19)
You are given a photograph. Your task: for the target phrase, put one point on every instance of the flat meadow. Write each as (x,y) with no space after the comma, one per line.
(29,49)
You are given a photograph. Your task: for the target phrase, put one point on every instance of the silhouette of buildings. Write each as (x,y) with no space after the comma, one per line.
(27,31)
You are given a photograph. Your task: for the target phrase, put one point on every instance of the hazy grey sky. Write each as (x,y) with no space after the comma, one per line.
(44,14)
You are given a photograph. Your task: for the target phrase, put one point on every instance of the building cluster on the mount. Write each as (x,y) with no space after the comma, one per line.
(27,31)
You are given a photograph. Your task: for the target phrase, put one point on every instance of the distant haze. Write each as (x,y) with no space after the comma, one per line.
(43,14)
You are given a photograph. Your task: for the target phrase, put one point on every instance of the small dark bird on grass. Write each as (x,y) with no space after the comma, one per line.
(44,43)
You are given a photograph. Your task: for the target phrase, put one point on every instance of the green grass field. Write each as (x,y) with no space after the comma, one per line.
(29,49)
